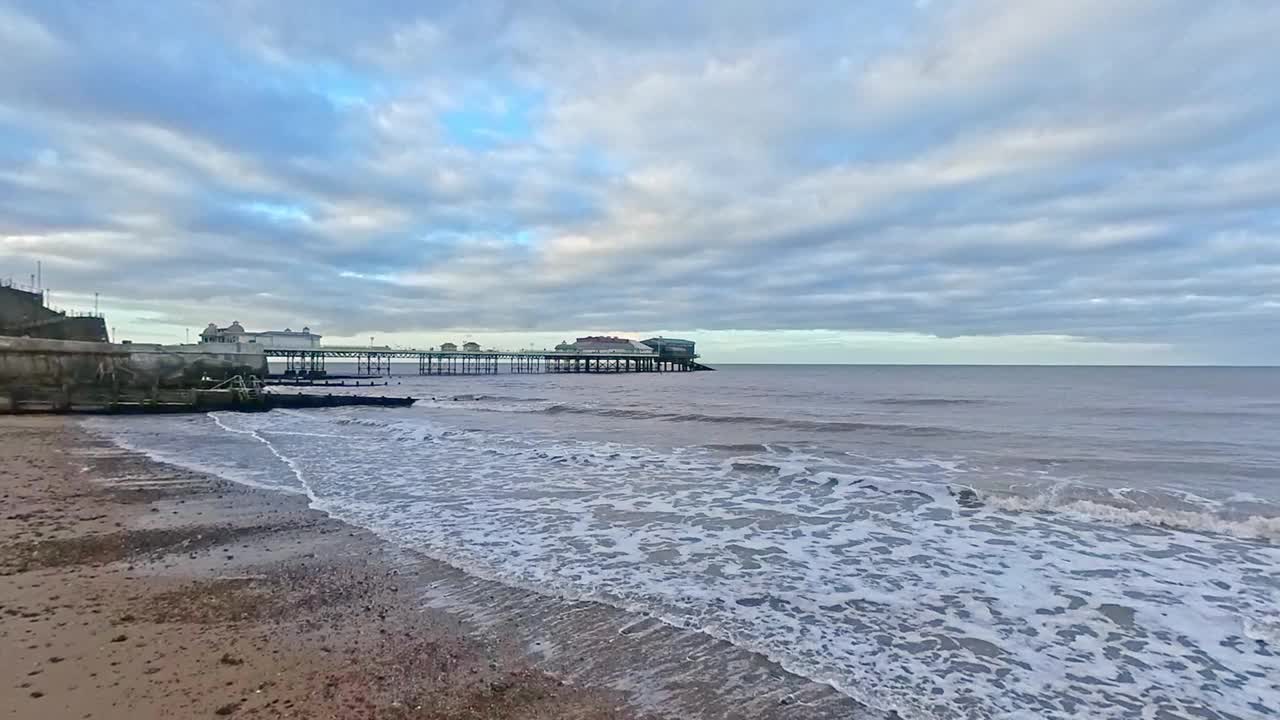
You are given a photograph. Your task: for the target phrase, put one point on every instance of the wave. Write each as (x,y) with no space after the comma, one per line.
(1153,508)
(926,401)
(1253,527)
(740,447)
(184,460)
(943,482)
(1265,630)
(1146,411)
(776,422)
(485,397)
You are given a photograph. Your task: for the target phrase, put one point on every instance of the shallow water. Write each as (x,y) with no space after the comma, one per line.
(944,542)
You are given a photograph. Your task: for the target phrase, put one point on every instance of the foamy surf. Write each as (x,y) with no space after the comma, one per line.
(877,576)
(1253,527)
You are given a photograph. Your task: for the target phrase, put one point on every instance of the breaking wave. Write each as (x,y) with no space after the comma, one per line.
(1252,527)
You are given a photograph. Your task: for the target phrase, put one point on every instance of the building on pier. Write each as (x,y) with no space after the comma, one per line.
(448,347)
(672,348)
(471,347)
(606,344)
(286,339)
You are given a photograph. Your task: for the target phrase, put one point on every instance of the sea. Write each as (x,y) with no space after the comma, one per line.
(932,541)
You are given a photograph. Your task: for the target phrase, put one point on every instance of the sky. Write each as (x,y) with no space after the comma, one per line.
(970,181)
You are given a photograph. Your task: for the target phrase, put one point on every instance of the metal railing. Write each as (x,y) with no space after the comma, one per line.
(250,389)
(9,283)
(13,285)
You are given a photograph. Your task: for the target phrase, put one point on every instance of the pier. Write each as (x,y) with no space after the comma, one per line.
(377,361)
(52,361)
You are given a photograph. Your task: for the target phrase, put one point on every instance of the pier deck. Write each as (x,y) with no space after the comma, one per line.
(377,361)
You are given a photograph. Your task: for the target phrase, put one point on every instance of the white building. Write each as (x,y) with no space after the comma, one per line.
(286,339)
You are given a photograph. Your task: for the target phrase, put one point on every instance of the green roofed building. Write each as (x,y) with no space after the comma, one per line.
(672,348)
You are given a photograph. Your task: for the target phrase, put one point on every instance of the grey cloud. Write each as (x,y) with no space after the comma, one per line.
(974,168)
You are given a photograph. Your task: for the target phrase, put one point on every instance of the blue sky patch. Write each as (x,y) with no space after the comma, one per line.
(483,123)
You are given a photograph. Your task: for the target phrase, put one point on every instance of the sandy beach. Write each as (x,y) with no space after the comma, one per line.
(133,589)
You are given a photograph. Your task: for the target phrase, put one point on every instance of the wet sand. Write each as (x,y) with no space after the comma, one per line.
(133,589)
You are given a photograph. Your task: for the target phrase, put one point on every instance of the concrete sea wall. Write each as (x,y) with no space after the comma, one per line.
(64,374)
(91,329)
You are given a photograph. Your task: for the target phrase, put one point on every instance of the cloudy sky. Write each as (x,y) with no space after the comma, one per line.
(882,181)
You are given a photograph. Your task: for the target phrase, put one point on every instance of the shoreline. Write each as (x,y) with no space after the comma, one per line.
(135,588)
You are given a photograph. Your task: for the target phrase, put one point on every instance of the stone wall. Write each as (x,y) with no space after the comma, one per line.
(66,372)
(89,329)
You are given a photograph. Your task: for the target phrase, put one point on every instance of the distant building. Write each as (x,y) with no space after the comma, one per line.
(23,313)
(470,347)
(448,347)
(286,339)
(672,348)
(606,344)
(564,346)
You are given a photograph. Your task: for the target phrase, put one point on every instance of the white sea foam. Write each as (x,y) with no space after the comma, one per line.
(292,464)
(877,576)
(1255,526)
(150,440)
(1265,631)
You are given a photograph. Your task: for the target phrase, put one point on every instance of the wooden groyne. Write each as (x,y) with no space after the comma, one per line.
(285,378)
(323,381)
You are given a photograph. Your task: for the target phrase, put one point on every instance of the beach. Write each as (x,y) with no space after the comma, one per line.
(134,589)
(817,542)
(754,544)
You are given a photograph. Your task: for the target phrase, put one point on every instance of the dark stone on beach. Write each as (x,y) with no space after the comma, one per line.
(227,709)
(37,694)
(120,638)
(229,659)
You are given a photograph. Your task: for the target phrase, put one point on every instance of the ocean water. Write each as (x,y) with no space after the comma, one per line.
(943,542)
